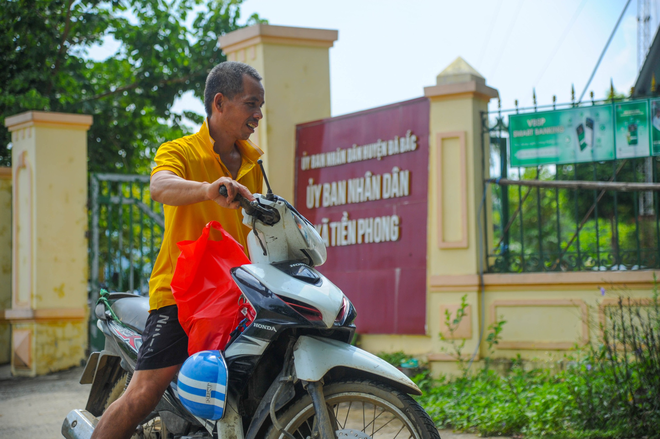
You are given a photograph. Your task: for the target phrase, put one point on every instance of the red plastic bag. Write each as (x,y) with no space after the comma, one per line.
(209,301)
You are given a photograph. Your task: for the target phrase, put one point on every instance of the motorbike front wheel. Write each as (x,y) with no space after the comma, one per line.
(361,409)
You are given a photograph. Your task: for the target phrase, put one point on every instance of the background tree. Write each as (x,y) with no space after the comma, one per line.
(166,48)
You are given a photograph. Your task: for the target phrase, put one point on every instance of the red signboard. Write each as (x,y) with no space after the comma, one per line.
(362,180)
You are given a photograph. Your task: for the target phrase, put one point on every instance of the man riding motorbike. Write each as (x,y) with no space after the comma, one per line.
(186,179)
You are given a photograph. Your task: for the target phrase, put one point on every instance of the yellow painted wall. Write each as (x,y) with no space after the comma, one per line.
(295,66)
(5,262)
(297,84)
(452,115)
(55,345)
(49,308)
(59,345)
(545,320)
(61,246)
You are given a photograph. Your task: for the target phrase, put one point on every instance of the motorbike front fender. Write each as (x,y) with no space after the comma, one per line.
(314,357)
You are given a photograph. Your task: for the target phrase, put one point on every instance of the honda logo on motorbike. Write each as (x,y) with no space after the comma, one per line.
(266,327)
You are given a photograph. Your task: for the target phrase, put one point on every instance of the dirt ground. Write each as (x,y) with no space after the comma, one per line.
(35,407)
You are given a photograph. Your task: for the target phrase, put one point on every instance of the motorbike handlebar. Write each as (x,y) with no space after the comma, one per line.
(245,204)
(265,214)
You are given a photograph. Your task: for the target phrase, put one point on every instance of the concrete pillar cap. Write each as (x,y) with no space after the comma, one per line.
(31,118)
(268,33)
(460,78)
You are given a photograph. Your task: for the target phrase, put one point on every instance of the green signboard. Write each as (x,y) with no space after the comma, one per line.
(586,134)
(632,129)
(575,135)
(655,126)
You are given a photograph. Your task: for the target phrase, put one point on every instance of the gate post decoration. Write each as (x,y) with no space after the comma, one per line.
(295,65)
(49,309)
(457,170)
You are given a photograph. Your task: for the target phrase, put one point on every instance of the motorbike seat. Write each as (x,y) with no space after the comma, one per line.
(133,311)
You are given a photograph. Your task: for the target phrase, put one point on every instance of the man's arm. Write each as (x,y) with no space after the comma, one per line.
(168,188)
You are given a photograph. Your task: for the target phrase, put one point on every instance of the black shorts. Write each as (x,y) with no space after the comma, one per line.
(164,342)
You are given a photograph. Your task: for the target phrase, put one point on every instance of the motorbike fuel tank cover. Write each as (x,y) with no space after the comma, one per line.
(300,271)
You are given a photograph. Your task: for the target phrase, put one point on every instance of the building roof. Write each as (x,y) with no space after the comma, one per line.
(650,69)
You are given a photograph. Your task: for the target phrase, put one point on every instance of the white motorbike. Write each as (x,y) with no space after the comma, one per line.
(292,373)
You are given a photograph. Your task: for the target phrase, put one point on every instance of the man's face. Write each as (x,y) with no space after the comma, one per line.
(241,115)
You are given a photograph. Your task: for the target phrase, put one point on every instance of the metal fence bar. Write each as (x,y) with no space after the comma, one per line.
(131,233)
(617,249)
(120,229)
(122,177)
(655,209)
(580,184)
(538,218)
(151,235)
(110,233)
(95,234)
(141,263)
(578,227)
(636,208)
(557,213)
(596,200)
(522,240)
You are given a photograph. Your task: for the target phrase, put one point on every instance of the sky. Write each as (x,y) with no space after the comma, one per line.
(388,51)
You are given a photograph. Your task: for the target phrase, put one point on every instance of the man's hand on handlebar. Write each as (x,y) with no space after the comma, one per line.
(233,188)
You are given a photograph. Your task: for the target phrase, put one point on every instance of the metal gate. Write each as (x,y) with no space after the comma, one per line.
(126,232)
(545,218)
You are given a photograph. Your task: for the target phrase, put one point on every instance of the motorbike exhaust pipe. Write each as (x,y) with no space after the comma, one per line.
(79,424)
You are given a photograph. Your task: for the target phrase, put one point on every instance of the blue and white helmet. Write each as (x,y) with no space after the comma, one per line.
(202,385)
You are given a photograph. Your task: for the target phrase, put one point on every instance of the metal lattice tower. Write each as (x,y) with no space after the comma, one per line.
(643,30)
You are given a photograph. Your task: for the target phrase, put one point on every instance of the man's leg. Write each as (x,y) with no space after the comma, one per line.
(142,395)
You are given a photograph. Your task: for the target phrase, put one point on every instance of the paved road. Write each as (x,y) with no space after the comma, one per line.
(34,408)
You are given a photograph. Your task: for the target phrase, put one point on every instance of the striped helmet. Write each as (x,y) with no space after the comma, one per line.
(202,385)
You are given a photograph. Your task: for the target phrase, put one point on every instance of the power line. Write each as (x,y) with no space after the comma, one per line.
(567,29)
(490,31)
(506,40)
(616,26)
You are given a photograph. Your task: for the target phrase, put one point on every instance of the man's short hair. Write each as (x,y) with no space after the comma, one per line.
(226,78)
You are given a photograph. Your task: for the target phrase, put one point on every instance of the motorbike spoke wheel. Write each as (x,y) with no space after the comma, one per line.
(361,410)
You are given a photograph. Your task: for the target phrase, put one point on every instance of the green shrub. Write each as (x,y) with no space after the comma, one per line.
(607,391)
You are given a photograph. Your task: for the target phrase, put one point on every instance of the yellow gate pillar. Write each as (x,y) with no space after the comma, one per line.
(5,261)
(295,66)
(48,312)
(457,170)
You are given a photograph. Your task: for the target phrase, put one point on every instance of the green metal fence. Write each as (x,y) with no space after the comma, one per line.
(598,216)
(126,233)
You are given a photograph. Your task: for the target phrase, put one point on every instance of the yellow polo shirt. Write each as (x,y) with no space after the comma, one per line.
(192,157)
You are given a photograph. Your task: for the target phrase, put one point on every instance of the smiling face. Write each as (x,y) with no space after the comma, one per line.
(237,118)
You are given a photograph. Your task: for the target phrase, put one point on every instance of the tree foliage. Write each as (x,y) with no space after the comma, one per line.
(166,48)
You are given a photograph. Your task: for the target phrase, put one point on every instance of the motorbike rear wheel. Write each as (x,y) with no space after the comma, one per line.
(361,409)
